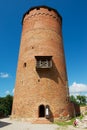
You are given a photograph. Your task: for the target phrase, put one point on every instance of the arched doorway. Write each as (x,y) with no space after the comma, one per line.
(41,111)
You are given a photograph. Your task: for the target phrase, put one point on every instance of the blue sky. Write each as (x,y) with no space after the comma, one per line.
(74,29)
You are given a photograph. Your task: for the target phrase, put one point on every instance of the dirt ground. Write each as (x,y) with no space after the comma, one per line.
(7,124)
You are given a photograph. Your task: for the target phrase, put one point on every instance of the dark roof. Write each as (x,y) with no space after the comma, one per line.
(38,7)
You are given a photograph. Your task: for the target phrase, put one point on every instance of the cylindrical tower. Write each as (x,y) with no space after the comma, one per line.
(41,81)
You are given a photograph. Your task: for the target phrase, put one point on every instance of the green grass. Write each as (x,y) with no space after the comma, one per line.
(69,122)
(86,113)
(65,123)
(80,117)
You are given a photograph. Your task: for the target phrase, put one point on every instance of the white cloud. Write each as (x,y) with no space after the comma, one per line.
(4,75)
(7,92)
(76,89)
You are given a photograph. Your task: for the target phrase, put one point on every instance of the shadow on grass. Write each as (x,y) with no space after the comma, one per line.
(3,124)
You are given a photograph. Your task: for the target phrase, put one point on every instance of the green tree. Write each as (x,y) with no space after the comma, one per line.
(6,105)
(73,99)
(82,100)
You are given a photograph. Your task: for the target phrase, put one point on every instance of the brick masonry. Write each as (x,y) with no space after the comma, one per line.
(41,36)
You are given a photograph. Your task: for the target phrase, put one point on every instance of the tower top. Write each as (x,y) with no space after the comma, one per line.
(42,7)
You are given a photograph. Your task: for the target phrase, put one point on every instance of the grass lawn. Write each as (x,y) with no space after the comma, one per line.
(68,122)
(65,123)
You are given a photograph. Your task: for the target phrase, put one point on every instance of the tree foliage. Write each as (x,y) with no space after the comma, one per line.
(81,100)
(6,105)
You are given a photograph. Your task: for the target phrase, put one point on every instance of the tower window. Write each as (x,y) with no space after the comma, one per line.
(38,80)
(43,61)
(25,64)
(38,8)
(49,9)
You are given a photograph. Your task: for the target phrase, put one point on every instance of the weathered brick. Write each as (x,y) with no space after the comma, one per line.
(41,36)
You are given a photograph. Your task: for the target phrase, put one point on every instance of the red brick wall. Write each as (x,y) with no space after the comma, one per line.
(41,36)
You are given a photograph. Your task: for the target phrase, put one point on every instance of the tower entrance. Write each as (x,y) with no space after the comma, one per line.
(41,111)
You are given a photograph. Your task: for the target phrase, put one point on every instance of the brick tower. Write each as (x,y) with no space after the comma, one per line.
(41,89)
